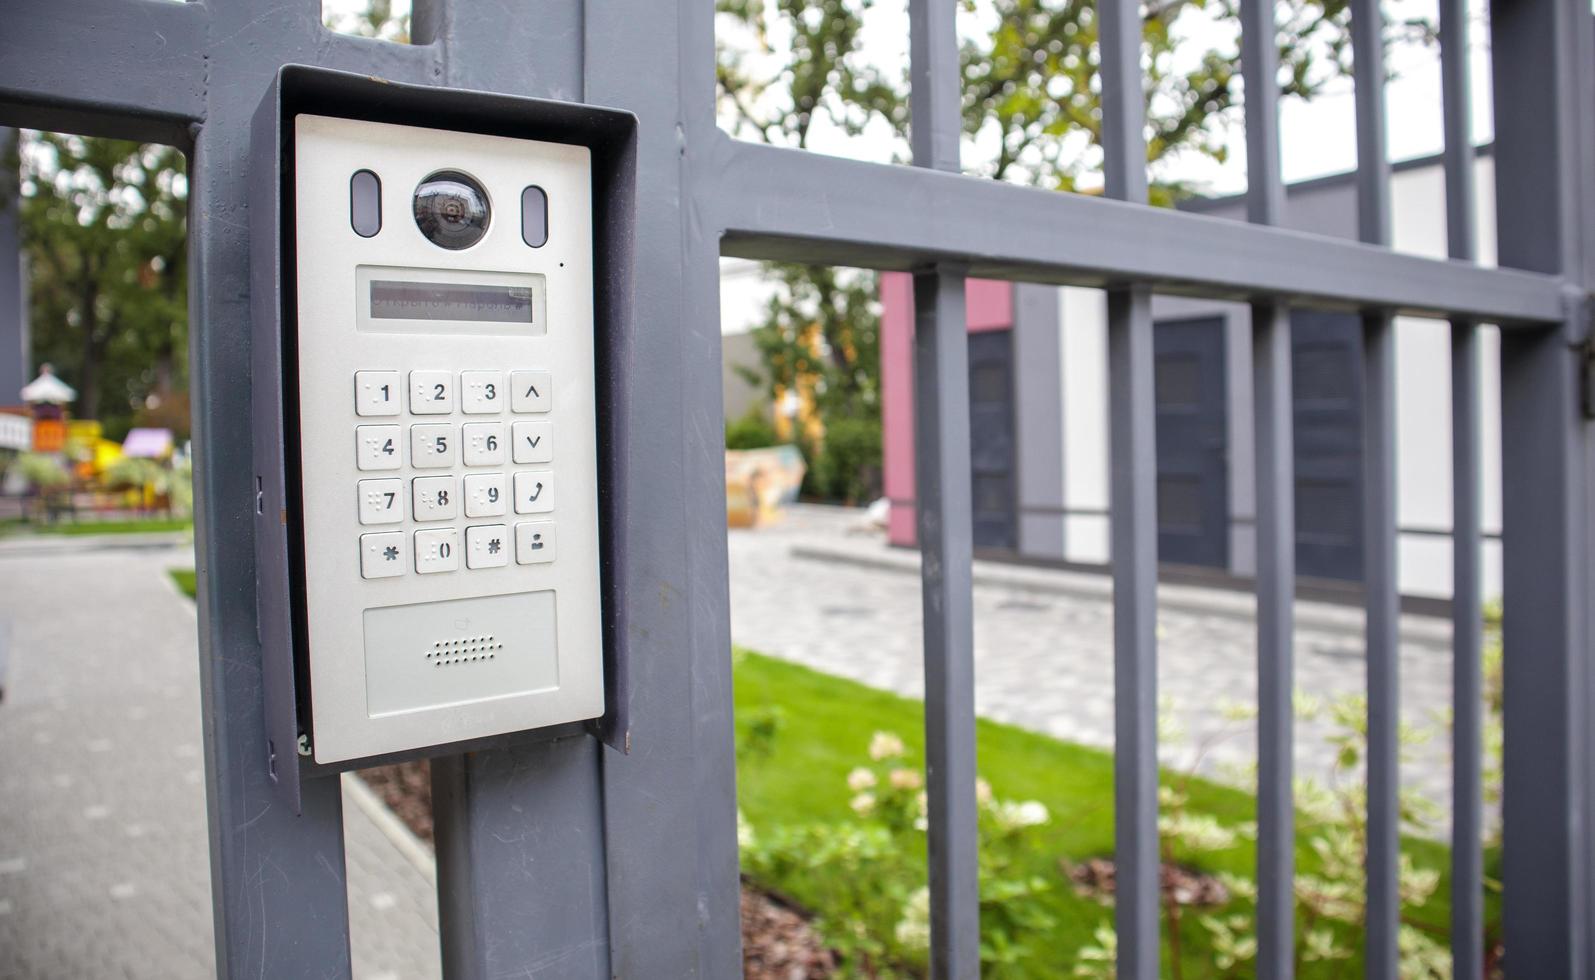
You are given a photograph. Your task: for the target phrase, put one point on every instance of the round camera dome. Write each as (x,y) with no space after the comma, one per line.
(451,209)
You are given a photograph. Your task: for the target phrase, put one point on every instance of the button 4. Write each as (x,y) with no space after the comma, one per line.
(534,542)
(377,447)
(382,554)
(437,550)
(434,498)
(481,392)
(431,392)
(486,495)
(380,501)
(484,443)
(534,442)
(432,445)
(531,391)
(376,393)
(487,546)
(534,493)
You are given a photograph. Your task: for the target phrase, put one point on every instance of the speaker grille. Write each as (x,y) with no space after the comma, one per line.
(464,650)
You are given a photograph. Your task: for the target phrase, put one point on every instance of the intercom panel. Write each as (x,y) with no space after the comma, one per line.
(441,429)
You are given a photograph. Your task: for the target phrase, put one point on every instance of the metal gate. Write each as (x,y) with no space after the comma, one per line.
(633,869)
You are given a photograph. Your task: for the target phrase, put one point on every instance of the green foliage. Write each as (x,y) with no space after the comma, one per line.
(104,231)
(42,472)
(847,467)
(751,431)
(135,473)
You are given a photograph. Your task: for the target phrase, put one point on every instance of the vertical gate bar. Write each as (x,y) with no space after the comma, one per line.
(1133,521)
(1542,67)
(1381,603)
(520,871)
(945,518)
(1273,419)
(1467,673)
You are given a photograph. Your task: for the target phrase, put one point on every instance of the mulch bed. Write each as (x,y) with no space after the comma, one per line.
(1096,878)
(777,941)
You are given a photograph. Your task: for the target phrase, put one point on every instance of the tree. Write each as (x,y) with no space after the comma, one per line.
(105,235)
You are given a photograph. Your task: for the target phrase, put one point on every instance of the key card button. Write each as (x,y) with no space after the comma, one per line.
(377,447)
(432,445)
(487,546)
(381,501)
(431,392)
(434,498)
(534,442)
(376,393)
(534,493)
(486,495)
(437,550)
(481,392)
(531,391)
(534,542)
(382,554)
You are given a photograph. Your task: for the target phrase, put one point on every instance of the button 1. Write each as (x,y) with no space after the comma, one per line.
(487,546)
(435,498)
(481,392)
(534,442)
(377,447)
(486,495)
(431,392)
(380,501)
(534,493)
(376,393)
(531,391)
(437,550)
(484,443)
(432,445)
(382,554)
(534,542)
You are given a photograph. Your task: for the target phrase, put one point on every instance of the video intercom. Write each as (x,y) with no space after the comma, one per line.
(432,472)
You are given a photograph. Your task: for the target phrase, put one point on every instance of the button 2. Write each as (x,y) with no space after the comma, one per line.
(376,393)
(382,554)
(431,392)
(534,493)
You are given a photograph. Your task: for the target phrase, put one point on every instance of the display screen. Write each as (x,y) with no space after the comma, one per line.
(399,300)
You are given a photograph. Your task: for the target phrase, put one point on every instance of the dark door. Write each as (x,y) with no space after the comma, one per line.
(1192,442)
(1326,351)
(991,438)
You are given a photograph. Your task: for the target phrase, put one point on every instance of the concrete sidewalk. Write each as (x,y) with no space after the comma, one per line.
(104,860)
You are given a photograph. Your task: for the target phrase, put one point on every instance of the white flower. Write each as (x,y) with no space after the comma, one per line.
(885,745)
(745,837)
(863,804)
(913,929)
(860,779)
(904,779)
(1016,816)
(982,792)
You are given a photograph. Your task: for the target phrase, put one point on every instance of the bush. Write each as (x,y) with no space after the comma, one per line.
(751,431)
(847,466)
(41,471)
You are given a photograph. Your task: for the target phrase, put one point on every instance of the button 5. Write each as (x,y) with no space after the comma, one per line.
(431,392)
(432,446)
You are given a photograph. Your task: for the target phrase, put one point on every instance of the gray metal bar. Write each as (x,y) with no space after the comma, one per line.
(946,536)
(1132,439)
(1541,54)
(1380,584)
(1467,673)
(148,67)
(945,519)
(790,205)
(16,358)
(670,802)
(517,894)
(1273,421)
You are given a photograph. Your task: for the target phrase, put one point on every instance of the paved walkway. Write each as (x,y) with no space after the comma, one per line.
(104,862)
(819,590)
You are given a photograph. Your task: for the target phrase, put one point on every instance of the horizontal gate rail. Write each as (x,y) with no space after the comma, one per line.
(792,205)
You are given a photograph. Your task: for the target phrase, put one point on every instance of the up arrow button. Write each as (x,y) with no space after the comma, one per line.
(532,392)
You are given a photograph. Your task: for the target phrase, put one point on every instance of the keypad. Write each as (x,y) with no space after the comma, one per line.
(453,471)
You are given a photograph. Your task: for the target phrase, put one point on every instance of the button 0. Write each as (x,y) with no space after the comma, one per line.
(376,393)
(432,445)
(377,447)
(534,493)
(431,392)
(534,542)
(434,498)
(382,554)
(381,501)
(487,546)
(437,550)
(481,392)
(531,391)
(534,442)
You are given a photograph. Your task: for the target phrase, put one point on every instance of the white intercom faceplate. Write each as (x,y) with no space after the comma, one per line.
(447,442)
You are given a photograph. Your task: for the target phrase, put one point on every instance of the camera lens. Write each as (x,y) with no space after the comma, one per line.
(451,209)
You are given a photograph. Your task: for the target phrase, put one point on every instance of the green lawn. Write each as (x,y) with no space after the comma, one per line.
(140,525)
(186,580)
(825,730)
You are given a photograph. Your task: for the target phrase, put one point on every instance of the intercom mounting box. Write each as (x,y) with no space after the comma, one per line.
(440,303)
